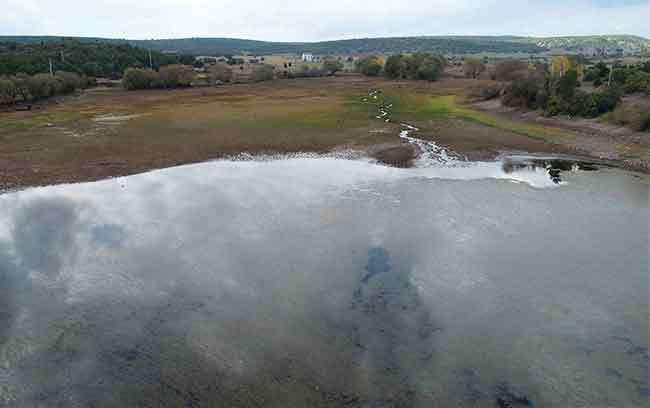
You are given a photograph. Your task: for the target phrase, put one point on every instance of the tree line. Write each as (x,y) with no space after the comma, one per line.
(91,59)
(540,87)
(417,66)
(29,88)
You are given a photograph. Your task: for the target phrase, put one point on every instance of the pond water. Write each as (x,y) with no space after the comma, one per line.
(321,282)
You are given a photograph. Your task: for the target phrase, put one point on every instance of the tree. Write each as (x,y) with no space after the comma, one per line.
(566,86)
(69,81)
(422,65)
(560,65)
(369,66)
(262,73)
(638,81)
(509,70)
(43,86)
(332,66)
(8,91)
(219,73)
(176,75)
(394,67)
(473,67)
(186,59)
(138,78)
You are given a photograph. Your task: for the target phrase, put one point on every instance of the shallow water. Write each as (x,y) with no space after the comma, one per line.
(326,282)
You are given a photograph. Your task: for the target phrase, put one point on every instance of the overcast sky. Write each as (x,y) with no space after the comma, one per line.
(311,20)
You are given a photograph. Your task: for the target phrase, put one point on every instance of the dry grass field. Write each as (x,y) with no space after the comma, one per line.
(111,132)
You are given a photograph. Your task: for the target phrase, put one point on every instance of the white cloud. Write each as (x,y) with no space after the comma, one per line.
(294,20)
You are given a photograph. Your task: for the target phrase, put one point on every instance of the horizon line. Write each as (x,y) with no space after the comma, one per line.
(321,41)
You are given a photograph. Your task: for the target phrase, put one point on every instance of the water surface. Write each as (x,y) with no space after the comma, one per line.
(325,282)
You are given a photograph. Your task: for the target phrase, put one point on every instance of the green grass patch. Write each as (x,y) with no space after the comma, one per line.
(415,107)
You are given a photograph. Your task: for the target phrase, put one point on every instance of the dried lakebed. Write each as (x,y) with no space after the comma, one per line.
(322,282)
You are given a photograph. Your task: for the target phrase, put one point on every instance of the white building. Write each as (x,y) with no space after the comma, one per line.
(308,57)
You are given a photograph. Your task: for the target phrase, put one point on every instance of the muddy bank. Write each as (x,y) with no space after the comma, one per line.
(620,145)
(107,133)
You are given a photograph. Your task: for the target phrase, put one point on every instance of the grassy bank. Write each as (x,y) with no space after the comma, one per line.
(418,108)
(105,133)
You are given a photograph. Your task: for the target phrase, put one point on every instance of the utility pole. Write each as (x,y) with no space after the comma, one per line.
(51,70)
(150,60)
(62,57)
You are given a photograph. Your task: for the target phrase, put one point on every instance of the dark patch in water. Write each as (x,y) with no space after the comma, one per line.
(467,376)
(505,397)
(378,262)
(111,235)
(426,330)
(613,373)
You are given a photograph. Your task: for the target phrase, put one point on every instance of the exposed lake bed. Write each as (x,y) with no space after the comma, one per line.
(320,281)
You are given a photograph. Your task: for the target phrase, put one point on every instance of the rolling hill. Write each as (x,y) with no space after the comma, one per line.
(588,45)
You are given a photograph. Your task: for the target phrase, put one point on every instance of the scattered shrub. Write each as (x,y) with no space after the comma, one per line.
(421,65)
(638,81)
(175,76)
(644,122)
(8,91)
(169,76)
(522,93)
(510,70)
(262,73)
(369,66)
(394,67)
(473,67)
(138,78)
(219,73)
(332,66)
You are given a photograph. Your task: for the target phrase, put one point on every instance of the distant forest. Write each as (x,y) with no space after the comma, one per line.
(101,57)
(93,59)
(226,46)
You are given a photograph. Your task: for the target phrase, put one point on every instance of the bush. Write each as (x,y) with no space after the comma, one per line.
(567,84)
(68,81)
(523,93)
(219,73)
(644,122)
(332,66)
(619,116)
(510,70)
(139,78)
(43,86)
(473,67)
(607,100)
(175,76)
(262,73)
(638,81)
(8,91)
(421,66)
(394,67)
(369,66)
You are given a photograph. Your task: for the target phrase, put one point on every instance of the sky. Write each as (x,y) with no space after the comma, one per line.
(310,20)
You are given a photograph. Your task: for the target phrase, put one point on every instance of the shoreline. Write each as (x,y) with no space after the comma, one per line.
(69,140)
